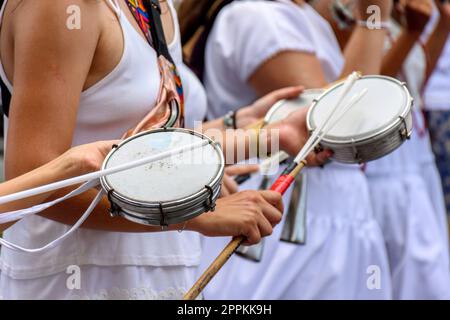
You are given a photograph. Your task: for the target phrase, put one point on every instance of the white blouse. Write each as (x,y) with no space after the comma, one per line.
(236,47)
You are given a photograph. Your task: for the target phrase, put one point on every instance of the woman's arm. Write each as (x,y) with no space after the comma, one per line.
(436,42)
(252,214)
(363,52)
(397,54)
(77,161)
(247,116)
(50,67)
(416,14)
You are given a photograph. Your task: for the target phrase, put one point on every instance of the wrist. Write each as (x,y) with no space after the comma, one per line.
(198,223)
(244,118)
(283,136)
(66,166)
(371,25)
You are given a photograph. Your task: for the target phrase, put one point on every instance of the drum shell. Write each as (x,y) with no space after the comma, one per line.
(376,145)
(174,211)
(153,219)
(371,148)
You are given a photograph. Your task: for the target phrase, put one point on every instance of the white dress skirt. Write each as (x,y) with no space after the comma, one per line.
(344,256)
(408,203)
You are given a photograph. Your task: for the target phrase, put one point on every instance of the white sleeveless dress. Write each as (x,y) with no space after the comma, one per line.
(408,203)
(345,249)
(111,265)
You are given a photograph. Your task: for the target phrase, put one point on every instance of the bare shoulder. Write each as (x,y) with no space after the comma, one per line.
(61,18)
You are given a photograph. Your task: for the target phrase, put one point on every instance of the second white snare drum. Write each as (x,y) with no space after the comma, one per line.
(169,191)
(282,109)
(377,125)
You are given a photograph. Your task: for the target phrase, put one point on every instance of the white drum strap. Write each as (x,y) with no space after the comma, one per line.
(20,214)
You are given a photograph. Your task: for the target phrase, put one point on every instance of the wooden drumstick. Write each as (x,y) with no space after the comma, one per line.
(281,185)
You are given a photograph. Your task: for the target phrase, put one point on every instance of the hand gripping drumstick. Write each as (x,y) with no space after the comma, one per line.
(280,185)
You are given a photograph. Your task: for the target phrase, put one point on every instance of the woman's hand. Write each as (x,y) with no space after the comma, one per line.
(87,158)
(294,134)
(229,186)
(444,11)
(252,214)
(258,110)
(416,14)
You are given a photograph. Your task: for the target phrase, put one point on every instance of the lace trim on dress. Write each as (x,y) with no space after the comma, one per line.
(141,293)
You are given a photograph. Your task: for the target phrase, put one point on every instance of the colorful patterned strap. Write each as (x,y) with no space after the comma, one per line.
(147,14)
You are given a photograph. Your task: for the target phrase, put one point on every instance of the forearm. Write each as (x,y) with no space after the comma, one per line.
(69,211)
(58,169)
(435,45)
(245,117)
(242,144)
(364,51)
(213,124)
(395,57)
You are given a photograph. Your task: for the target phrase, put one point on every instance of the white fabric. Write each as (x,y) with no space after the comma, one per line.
(106,111)
(235,49)
(409,204)
(104,283)
(343,242)
(418,255)
(196,102)
(437,93)
(343,239)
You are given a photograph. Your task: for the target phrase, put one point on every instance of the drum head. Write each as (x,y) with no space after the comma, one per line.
(385,102)
(170,179)
(284,108)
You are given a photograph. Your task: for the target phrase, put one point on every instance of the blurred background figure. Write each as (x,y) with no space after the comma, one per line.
(437,104)
(405,186)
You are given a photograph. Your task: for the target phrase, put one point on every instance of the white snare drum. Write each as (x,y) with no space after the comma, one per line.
(377,125)
(282,109)
(169,191)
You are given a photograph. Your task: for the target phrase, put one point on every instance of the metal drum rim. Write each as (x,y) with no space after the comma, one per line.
(405,112)
(155,219)
(114,194)
(170,207)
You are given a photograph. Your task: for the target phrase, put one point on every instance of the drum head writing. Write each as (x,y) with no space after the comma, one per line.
(382,105)
(173,178)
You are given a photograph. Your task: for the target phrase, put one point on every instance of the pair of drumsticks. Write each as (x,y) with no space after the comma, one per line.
(286,178)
